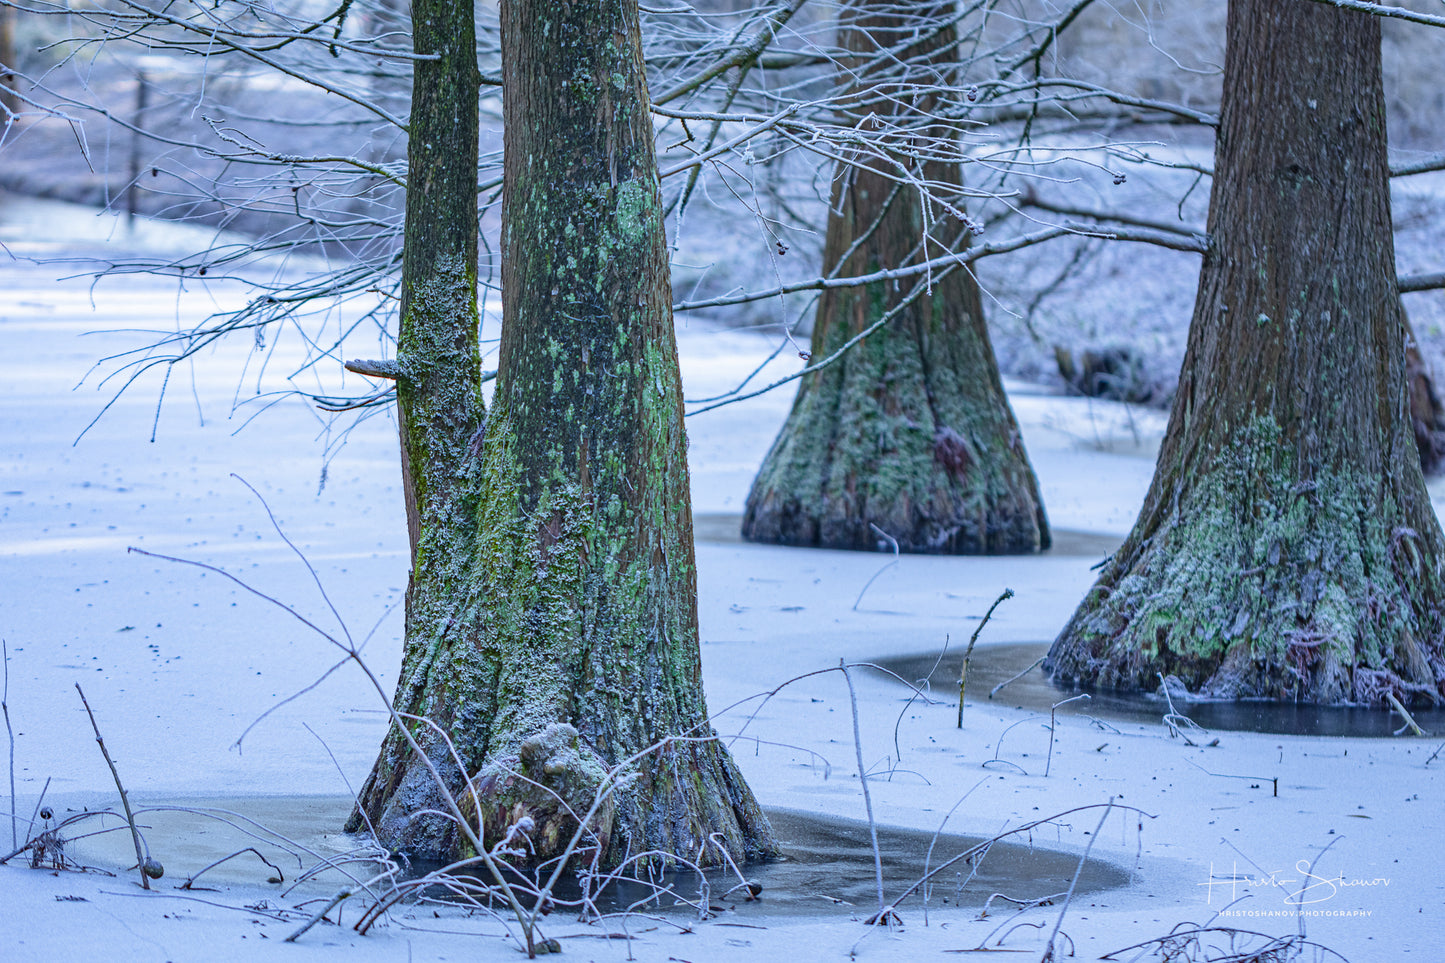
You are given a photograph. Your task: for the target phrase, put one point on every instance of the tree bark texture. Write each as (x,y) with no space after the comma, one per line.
(1287,549)
(8,100)
(909,433)
(442,420)
(587,526)
(567,642)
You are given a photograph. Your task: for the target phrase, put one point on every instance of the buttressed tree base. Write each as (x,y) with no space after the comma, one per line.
(1287,549)
(554,637)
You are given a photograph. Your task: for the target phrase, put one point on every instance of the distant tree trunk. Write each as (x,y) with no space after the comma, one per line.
(440,411)
(1427,414)
(1287,549)
(909,432)
(8,100)
(579,557)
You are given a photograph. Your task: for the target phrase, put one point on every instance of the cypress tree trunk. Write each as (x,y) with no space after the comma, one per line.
(8,100)
(910,430)
(1287,549)
(564,638)
(591,594)
(440,411)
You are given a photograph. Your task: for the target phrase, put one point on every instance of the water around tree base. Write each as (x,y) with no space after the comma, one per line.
(827,868)
(994,664)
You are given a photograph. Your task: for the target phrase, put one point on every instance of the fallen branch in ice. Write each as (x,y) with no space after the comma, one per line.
(1034,665)
(280,877)
(1409,720)
(1259,780)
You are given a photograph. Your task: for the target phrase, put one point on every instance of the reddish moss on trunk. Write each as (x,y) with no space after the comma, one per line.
(910,430)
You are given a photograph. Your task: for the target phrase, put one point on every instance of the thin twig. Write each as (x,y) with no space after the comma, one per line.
(35,814)
(1048,763)
(1009,681)
(140,859)
(280,876)
(892,541)
(976,852)
(863,778)
(1299,896)
(1007,593)
(1176,720)
(318,917)
(1073,884)
(897,723)
(928,856)
(1272,780)
(5,707)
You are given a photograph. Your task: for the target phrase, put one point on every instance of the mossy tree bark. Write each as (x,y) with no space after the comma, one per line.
(570,642)
(1287,548)
(910,430)
(442,419)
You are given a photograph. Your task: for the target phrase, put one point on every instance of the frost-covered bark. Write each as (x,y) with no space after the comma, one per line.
(440,411)
(591,592)
(910,430)
(565,635)
(1287,548)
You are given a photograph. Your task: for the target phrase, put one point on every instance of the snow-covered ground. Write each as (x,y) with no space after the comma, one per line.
(178,662)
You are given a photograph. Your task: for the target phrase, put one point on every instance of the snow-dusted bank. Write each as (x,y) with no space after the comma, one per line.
(178,662)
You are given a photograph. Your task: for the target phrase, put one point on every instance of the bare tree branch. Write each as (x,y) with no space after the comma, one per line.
(1421,282)
(1381,10)
(1424,165)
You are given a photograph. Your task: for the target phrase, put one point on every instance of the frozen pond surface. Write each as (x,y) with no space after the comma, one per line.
(995,664)
(178,663)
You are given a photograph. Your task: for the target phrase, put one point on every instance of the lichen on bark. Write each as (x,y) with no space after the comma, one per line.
(441,417)
(1287,548)
(909,433)
(558,632)
(1267,583)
